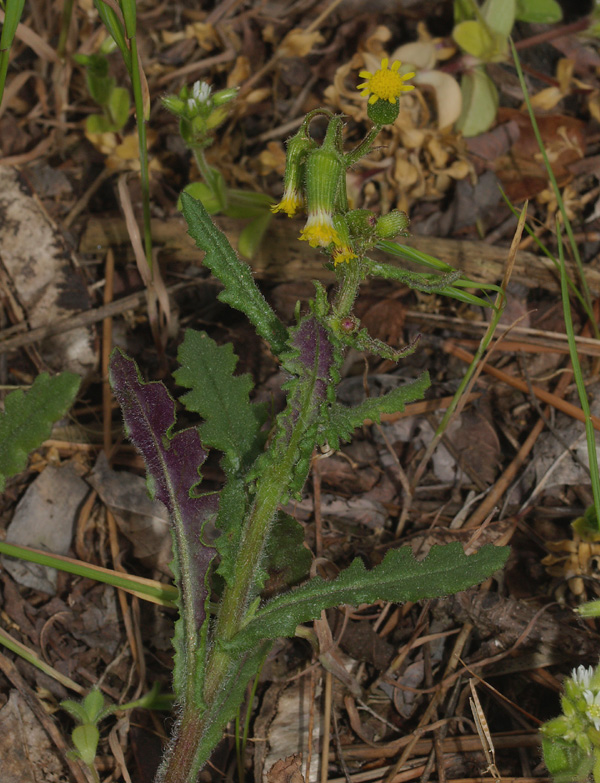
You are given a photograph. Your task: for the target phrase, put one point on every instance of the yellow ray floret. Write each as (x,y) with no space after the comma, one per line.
(291,202)
(386,84)
(343,254)
(319,230)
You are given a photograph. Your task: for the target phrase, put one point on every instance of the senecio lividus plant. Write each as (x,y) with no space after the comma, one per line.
(225,628)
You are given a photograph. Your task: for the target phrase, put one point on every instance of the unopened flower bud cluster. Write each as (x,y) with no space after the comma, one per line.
(200,111)
(315,177)
(571,742)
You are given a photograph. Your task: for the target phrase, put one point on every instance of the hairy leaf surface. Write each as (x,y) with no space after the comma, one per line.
(28,418)
(172,461)
(343,420)
(232,424)
(399,577)
(240,291)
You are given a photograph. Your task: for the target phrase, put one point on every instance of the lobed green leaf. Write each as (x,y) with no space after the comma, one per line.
(399,577)
(343,420)
(231,422)
(28,418)
(241,292)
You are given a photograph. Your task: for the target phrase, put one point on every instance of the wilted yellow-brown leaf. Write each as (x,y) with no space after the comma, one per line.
(240,71)
(258,95)
(298,43)
(459,169)
(374,43)
(205,34)
(272,159)
(547,99)
(437,152)
(405,173)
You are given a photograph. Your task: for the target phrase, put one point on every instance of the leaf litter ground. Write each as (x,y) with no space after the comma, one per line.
(388,689)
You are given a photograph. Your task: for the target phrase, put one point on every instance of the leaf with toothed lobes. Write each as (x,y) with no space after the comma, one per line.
(28,418)
(312,361)
(399,577)
(231,422)
(312,355)
(172,461)
(343,420)
(241,292)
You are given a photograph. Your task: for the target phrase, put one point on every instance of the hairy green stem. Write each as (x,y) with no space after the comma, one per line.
(238,595)
(208,175)
(347,291)
(364,147)
(188,752)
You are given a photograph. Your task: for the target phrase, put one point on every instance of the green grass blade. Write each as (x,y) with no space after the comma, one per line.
(28,655)
(546,252)
(579,381)
(147,589)
(557,194)
(431,262)
(12,16)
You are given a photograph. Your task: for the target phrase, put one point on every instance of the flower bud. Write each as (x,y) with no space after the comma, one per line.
(216,117)
(174,104)
(298,148)
(325,189)
(224,96)
(361,223)
(392,224)
(343,250)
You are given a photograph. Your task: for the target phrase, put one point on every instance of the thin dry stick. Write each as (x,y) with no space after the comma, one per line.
(511,471)
(484,732)
(500,299)
(311,720)
(85,318)
(322,16)
(326,723)
(459,644)
(133,633)
(10,671)
(82,202)
(552,399)
(497,491)
(339,749)
(529,339)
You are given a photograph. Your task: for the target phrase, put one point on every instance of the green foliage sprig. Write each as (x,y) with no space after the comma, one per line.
(28,418)
(482,32)
(200,113)
(113,100)
(227,544)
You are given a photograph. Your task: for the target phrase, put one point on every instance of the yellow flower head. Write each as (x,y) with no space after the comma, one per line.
(319,230)
(291,202)
(386,84)
(342,254)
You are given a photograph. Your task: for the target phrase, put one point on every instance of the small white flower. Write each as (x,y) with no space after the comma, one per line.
(201,92)
(593,707)
(582,676)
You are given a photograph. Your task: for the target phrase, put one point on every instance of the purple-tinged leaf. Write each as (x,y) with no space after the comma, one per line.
(316,353)
(172,462)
